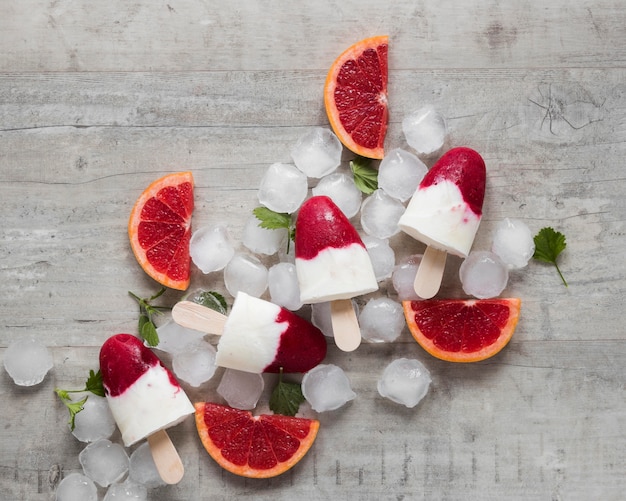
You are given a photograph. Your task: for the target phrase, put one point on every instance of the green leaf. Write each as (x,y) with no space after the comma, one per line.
(143,320)
(73,407)
(94,383)
(365,177)
(213,300)
(271,220)
(548,245)
(286,398)
(149,334)
(146,326)
(63,394)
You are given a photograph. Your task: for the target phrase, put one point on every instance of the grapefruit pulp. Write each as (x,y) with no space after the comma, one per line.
(159,229)
(253,446)
(355,97)
(462,330)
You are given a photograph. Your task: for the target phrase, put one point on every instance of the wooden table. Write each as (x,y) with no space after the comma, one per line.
(97,99)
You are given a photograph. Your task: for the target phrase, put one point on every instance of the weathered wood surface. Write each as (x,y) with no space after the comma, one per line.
(98,99)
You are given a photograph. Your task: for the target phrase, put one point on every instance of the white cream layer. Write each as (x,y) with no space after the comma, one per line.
(251,335)
(438,216)
(150,404)
(335,273)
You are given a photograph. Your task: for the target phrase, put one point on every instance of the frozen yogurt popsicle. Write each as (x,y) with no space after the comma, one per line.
(445,212)
(143,394)
(260,336)
(331,259)
(332,264)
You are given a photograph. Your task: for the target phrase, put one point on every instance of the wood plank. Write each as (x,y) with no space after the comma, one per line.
(192,35)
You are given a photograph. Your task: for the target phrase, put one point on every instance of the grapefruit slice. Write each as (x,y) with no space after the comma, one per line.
(253,446)
(159,229)
(355,97)
(462,330)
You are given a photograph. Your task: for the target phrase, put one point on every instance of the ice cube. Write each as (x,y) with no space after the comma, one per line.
(283,188)
(341,189)
(247,274)
(513,243)
(380,214)
(127,491)
(95,421)
(174,338)
(404,381)
(104,462)
(210,248)
(142,469)
(317,153)
(381,320)
(263,240)
(425,130)
(320,318)
(403,278)
(483,274)
(195,364)
(283,286)
(27,361)
(241,390)
(400,173)
(326,387)
(76,487)
(382,256)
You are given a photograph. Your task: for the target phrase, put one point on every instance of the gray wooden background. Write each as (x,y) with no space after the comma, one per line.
(97,99)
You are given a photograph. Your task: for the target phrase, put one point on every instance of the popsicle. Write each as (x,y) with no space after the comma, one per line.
(144,398)
(332,264)
(445,212)
(257,336)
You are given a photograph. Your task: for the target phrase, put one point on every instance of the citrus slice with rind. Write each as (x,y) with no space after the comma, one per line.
(253,446)
(462,330)
(159,229)
(355,96)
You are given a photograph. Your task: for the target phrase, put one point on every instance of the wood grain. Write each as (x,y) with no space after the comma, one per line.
(99,99)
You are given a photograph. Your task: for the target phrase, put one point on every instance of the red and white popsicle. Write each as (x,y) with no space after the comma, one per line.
(332,264)
(257,336)
(145,399)
(445,212)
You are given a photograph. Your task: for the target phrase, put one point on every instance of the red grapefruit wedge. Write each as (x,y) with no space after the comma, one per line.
(159,229)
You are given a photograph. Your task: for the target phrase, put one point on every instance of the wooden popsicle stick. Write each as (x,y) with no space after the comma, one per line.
(166,458)
(430,273)
(345,325)
(198,317)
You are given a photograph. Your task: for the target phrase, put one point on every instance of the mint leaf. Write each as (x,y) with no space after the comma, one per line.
(213,300)
(149,334)
(146,326)
(286,397)
(271,220)
(548,245)
(94,383)
(73,407)
(365,178)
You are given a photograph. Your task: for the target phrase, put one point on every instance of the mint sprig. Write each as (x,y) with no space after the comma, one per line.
(286,397)
(147,327)
(365,177)
(272,220)
(93,385)
(213,300)
(548,245)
